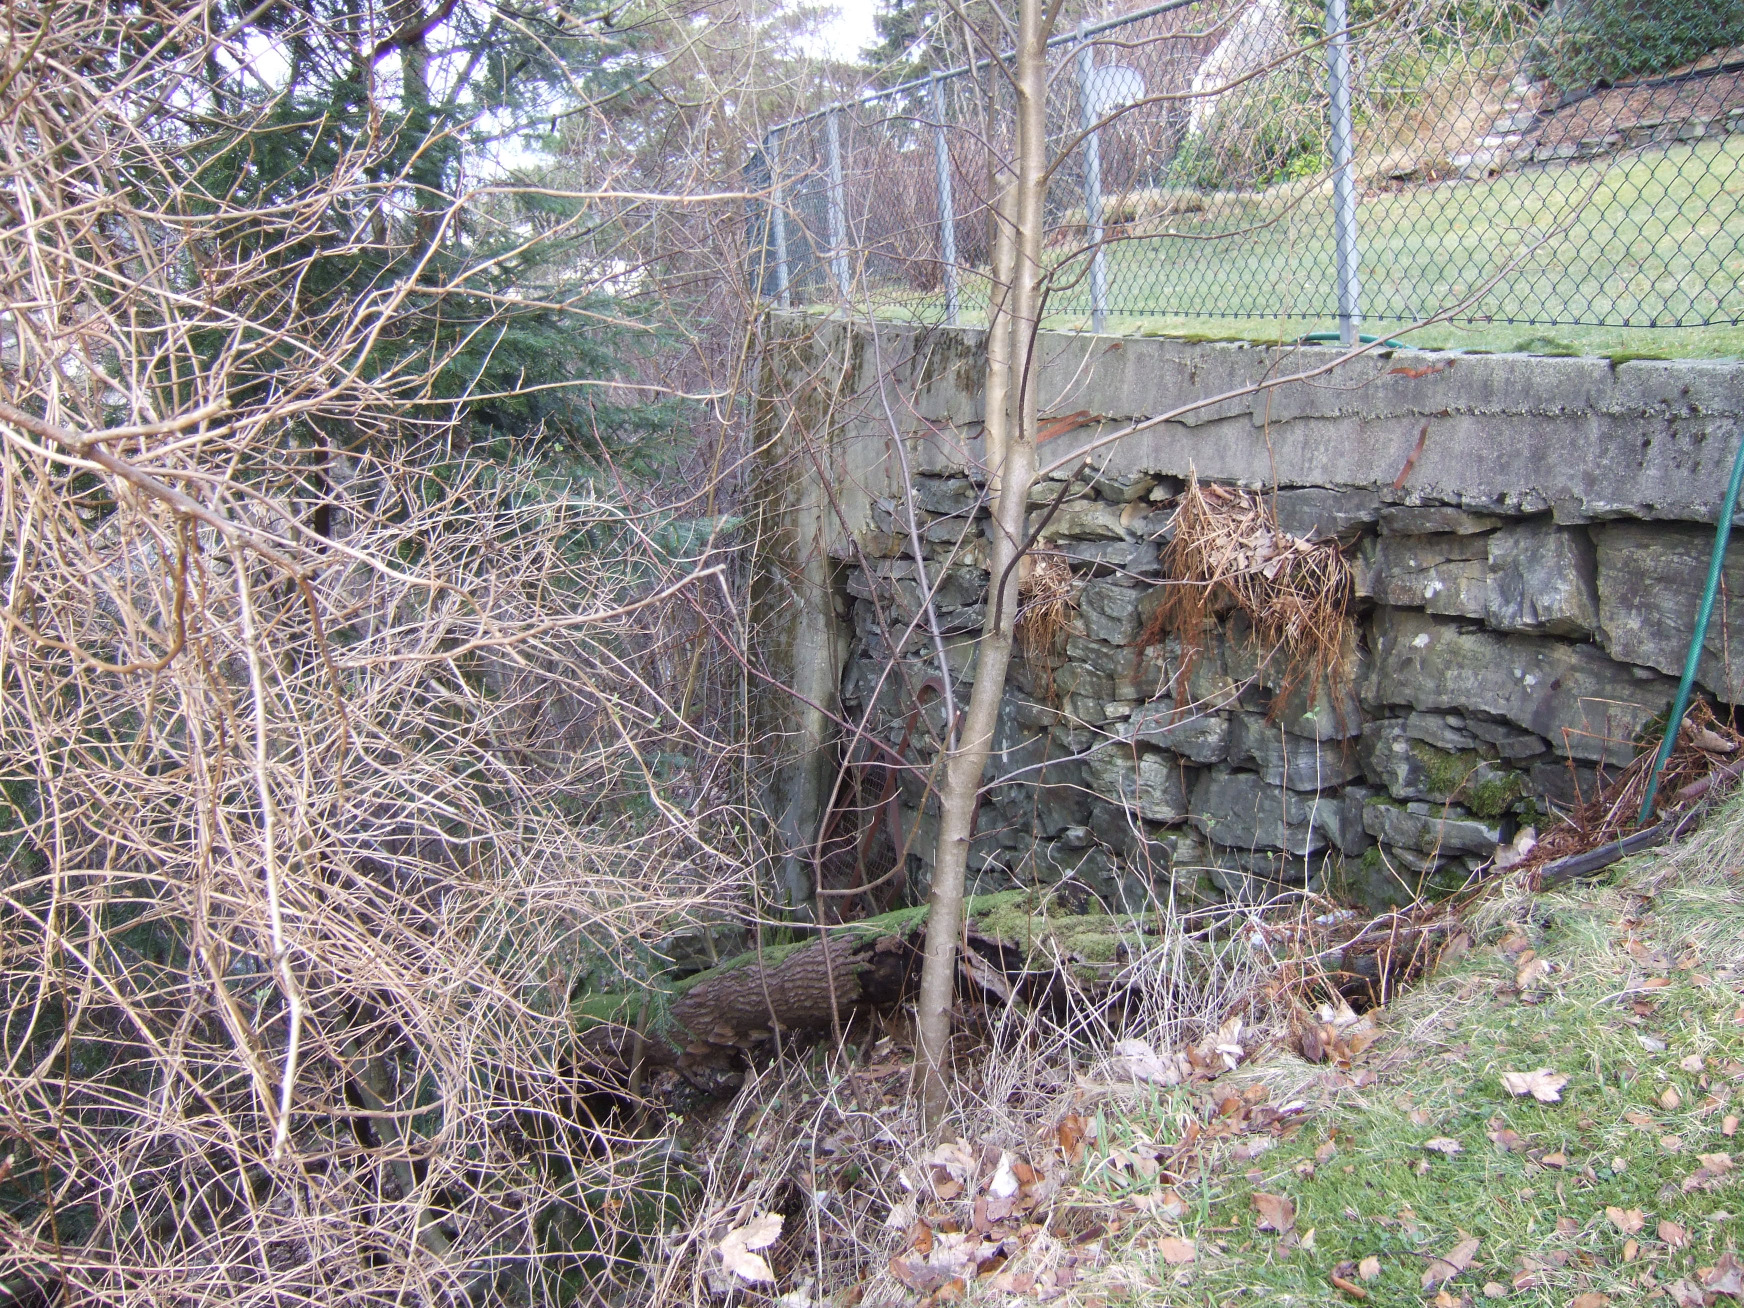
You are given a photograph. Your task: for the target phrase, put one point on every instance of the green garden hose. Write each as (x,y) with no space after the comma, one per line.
(1722,533)
(1313,337)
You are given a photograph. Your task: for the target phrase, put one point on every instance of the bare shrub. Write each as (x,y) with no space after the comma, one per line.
(338,753)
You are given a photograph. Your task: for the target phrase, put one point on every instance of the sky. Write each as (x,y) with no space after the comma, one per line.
(849,31)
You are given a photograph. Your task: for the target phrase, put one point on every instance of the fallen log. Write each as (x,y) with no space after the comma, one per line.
(1021,944)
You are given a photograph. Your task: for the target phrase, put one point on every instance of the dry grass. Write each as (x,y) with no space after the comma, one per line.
(1047,596)
(874,1210)
(1700,768)
(1228,553)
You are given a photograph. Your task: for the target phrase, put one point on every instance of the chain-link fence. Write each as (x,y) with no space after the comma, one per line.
(1490,161)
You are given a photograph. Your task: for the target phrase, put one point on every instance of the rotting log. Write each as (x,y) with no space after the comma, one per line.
(1021,945)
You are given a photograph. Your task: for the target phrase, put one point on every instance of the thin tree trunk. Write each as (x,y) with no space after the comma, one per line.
(1010,426)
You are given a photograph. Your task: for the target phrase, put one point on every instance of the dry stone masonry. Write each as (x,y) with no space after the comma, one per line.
(1529,539)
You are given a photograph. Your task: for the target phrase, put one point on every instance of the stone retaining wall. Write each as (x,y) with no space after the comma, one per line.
(1529,539)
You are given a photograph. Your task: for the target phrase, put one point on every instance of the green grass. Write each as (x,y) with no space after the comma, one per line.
(1360,1178)
(1655,234)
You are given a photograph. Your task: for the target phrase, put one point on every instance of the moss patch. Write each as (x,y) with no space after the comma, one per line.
(1029,919)
(1469,779)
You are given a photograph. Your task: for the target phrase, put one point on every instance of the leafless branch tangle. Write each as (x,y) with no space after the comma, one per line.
(327,784)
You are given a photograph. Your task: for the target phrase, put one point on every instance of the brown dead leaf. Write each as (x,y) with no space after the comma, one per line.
(1514,944)
(1531,973)
(1729,1127)
(1725,1277)
(1686,1293)
(736,1248)
(1353,1040)
(1138,1061)
(1369,1268)
(1591,1299)
(952,1291)
(1443,1144)
(1418,1117)
(1349,1287)
(1545,1085)
(1674,1236)
(1670,1099)
(1557,1160)
(1175,1251)
(1071,1136)
(1450,1264)
(1628,1221)
(1506,1137)
(1718,1164)
(915,1274)
(1276,1212)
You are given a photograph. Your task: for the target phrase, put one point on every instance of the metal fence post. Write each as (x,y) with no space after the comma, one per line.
(947,207)
(1343,182)
(837,202)
(1088,114)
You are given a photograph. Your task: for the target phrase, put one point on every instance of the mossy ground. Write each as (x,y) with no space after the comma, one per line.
(1646,979)
(1026,918)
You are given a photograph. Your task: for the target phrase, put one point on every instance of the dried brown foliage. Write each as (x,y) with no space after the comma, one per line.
(1228,554)
(1704,764)
(1048,595)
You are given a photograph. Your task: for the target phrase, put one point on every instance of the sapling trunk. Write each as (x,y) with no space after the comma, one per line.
(1010,426)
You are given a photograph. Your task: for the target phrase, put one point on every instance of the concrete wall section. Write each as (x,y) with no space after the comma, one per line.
(1528,541)
(1584,439)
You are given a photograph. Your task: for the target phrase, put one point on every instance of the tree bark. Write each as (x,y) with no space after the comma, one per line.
(1027,949)
(1010,441)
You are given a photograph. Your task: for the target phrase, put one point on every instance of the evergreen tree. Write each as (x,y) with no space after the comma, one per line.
(419,101)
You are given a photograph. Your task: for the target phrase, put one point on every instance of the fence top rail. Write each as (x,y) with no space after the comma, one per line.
(962,70)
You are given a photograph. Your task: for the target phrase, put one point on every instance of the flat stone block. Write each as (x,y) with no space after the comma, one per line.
(1445,574)
(1109,612)
(1569,694)
(1082,520)
(1650,579)
(1410,520)
(1543,579)
(1202,737)
(1317,514)
(1340,816)
(1143,780)
(1239,810)
(1443,730)
(956,495)
(1429,829)
(1284,759)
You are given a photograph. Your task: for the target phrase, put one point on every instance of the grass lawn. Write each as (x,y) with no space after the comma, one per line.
(1628,1185)
(1654,236)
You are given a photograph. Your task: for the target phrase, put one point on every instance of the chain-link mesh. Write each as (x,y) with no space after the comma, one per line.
(1510,165)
